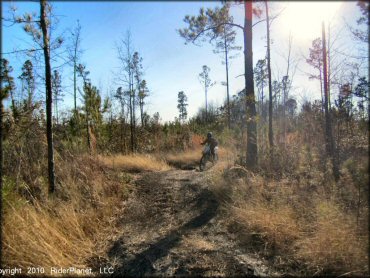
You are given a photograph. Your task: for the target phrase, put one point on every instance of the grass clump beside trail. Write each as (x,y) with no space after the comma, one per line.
(61,230)
(134,163)
(306,226)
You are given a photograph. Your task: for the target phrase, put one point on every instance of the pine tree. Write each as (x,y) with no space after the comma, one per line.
(260,76)
(28,82)
(143,93)
(209,24)
(57,92)
(74,53)
(7,86)
(206,81)
(44,23)
(39,30)
(315,60)
(182,100)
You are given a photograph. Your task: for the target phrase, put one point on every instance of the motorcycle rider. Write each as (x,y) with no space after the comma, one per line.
(212,142)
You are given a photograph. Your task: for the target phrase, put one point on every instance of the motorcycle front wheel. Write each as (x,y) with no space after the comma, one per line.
(202,163)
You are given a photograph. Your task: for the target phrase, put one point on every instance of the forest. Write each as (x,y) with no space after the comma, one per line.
(95,182)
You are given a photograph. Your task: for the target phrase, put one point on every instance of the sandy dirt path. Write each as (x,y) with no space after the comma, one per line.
(172,225)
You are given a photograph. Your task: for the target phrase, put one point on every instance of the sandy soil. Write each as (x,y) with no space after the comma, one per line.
(173,226)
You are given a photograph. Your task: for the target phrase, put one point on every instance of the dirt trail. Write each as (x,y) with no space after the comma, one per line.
(172,226)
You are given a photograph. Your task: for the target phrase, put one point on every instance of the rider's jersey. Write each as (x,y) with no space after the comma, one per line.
(212,142)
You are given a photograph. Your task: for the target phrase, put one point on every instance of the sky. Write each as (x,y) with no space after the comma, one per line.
(169,64)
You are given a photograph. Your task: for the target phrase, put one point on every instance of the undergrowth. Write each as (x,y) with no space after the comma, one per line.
(301,221)
(62,229)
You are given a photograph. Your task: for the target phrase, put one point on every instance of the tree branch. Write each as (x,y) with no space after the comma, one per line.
(214,27)
(276,16)
(262,20)
(22,50)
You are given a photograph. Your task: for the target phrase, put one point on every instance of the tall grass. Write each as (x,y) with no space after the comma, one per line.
(303,219)
(61,230)
(134,163)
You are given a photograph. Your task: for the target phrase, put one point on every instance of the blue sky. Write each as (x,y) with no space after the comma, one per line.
(171,66)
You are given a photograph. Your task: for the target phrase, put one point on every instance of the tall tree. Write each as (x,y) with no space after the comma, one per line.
(40,30)
(93,112)
(286,84)
(225,43)
(7,86)
(87,88)
(276,88)
(271,136)
(45,24)
(127,76)
(182,100)
(28,82)
(57,92)
(138,72)
(74,53)
(206,81)
(141,86)
(143,93)
(251,160)
(260,76)
(362,92)
(209,24)
(315,60)
(330,147)
(120,96)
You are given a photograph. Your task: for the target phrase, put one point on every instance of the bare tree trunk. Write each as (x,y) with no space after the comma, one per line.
(76,44)
(261,103)
(322,94)
(88,129)
(75,85)
(14,109)
(29,99)
(131,125)
(271,138)
(286,90)
(121,135)
(251,159)
(227,84)
(56,111)
(205,91)
(330,148)
(142,113)
(134,119)
(49,96)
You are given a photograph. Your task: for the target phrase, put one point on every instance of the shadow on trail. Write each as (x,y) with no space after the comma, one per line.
(184,166)
(142,263)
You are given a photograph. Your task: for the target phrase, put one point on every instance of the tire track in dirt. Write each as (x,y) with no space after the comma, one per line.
(171,226)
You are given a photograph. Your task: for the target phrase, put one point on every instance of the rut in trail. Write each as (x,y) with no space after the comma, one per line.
(171,226)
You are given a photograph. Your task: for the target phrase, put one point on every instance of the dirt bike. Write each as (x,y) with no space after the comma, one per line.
(208,157)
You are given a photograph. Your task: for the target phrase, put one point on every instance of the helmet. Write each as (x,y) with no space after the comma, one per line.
(209,135)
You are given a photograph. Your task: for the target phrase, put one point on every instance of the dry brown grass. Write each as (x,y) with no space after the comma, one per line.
(335,243)
(197,243)
(190,157)
(32,236)
(277,227)
(62,230)
(294,221)
(134,163)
